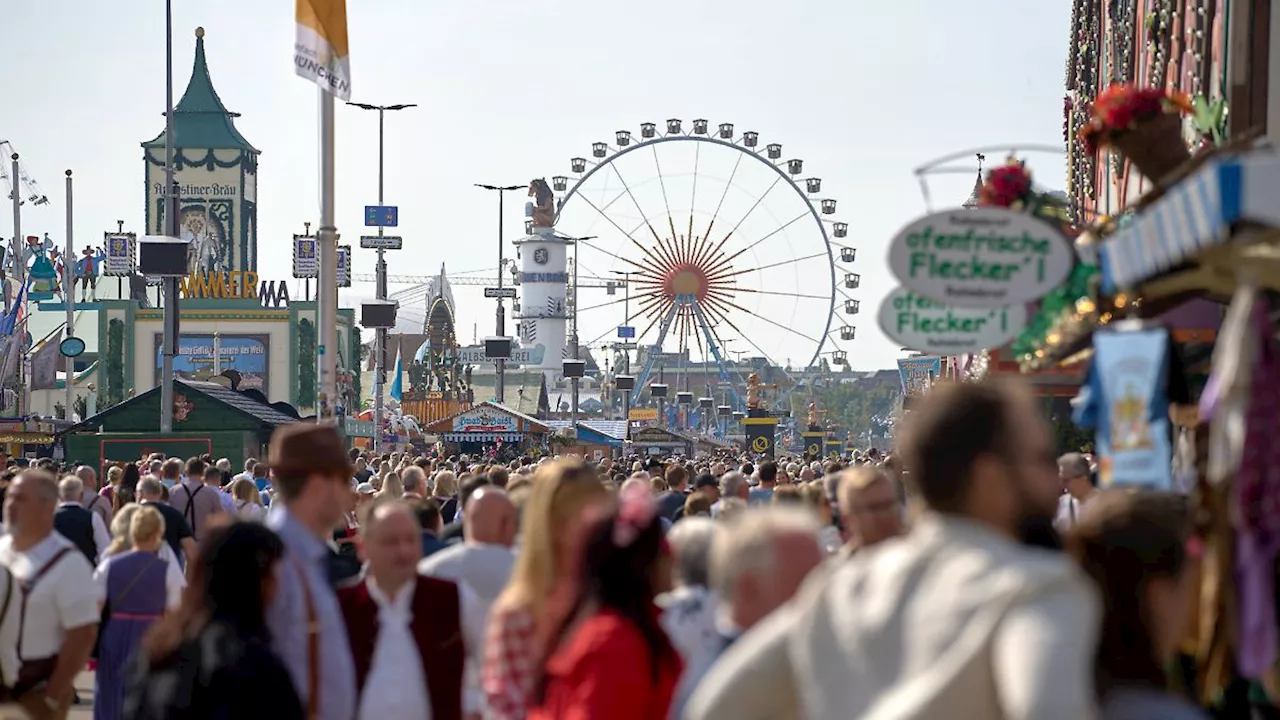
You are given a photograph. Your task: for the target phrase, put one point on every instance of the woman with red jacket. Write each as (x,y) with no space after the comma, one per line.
(611,658)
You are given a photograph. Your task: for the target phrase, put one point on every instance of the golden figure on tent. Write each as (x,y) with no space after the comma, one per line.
(755,399)
(813,415)
(544,204)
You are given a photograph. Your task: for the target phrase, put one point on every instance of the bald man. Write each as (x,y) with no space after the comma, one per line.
(484,559)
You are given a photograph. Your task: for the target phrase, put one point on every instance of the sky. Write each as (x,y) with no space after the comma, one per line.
(507,91)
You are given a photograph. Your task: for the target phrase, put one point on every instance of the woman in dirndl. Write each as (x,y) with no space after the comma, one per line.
(134,589)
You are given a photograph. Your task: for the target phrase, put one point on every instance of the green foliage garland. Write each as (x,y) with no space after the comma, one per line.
(307,365)
(356,367)
(115,363)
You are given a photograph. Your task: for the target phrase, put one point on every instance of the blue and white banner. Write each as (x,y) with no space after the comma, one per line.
(918,373)
(1125,399)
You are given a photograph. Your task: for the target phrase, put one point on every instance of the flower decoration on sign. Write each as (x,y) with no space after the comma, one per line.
(1010,186)
(1007,186)
(182,408)
(1122,109)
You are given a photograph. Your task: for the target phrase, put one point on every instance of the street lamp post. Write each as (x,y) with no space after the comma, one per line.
(69,302)
(380,292)
(170,284)
(500,363)
(573,337)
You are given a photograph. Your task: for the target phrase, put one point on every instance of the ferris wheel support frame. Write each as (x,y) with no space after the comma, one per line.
(813,210)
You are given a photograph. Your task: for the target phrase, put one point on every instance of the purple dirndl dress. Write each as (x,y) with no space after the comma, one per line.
(135,599)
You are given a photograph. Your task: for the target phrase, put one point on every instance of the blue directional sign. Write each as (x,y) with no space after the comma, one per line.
(626,332)
(381,216)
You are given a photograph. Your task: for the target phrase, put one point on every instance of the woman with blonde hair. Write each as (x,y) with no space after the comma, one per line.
(115,474)
(536,600)
(134,588)
(392,488)
(248,500)
(445,493)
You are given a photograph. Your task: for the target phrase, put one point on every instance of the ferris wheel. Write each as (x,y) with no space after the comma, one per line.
(727,250)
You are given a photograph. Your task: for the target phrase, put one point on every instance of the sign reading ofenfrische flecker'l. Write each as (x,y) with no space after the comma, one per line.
(980,257)
(914,321)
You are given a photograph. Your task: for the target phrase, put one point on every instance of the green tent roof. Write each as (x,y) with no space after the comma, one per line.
(200,120)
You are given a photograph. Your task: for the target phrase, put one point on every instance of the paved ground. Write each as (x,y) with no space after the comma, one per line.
(84,685)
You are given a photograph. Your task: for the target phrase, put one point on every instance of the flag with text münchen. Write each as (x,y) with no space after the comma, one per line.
(320,51)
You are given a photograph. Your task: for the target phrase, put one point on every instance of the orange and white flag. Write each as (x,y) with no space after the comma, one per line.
(320,53)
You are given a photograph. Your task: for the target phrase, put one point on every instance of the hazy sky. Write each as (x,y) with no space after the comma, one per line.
(508,91)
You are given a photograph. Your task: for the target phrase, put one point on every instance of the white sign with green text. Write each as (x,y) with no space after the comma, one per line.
(916,322)
(980,257)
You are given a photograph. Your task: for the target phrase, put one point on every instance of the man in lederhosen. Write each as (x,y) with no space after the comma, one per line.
(57,610)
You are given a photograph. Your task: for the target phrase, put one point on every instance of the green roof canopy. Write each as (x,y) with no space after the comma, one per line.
(200,120)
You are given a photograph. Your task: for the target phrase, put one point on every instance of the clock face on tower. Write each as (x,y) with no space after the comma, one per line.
(205,238)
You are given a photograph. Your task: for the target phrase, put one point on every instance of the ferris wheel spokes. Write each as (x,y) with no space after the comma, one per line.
(690,281)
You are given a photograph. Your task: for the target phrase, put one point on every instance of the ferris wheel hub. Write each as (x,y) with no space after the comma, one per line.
(686,279)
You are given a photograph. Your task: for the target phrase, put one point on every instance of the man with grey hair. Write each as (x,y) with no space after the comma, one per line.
(176,530)
(757,564)
(59,615)
(689,610)
(89,497)
(732,485)
(83,528)
(414,480)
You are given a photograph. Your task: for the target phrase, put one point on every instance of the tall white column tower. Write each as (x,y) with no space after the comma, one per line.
(544,284)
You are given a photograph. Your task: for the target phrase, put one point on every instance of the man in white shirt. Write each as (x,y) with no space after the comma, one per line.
(405,629)
(757,563)
(57,612)
(483,561)
(90,499)
(248,470)
(689,610)
(959,618)
(1078,489)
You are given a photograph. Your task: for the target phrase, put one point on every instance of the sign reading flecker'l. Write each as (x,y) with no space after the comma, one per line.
(980,257)
(916,322)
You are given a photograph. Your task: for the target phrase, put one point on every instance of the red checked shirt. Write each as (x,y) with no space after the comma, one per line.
(509,663)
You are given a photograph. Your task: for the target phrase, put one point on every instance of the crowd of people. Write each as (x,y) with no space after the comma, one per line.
(941,581)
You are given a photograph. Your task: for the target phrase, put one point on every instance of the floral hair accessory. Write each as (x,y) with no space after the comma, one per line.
(636,511)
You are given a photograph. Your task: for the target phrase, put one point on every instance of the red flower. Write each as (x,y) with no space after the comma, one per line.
(1121,107)
(1005,185)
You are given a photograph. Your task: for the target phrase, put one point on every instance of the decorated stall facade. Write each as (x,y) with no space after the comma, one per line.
(490,428)
(1176,206)
(265,346)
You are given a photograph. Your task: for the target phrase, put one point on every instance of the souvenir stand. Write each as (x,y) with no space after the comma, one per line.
(1210,229)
